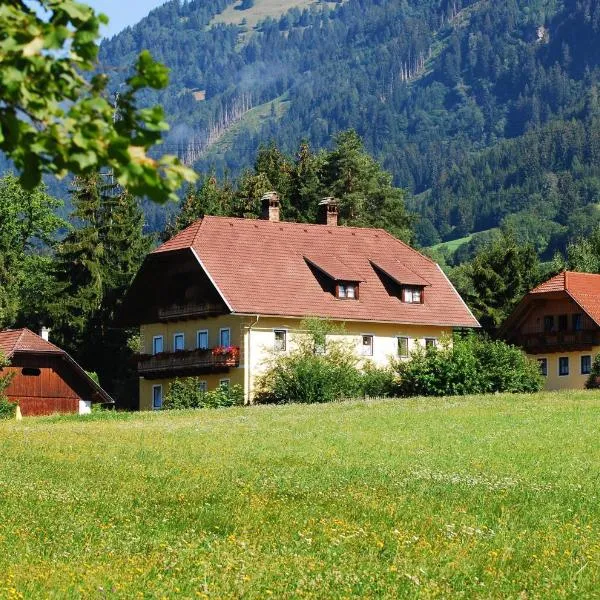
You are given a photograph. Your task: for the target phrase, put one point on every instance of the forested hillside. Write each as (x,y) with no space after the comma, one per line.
(481,109)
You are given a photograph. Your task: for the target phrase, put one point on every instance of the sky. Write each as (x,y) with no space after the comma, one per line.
(123,12)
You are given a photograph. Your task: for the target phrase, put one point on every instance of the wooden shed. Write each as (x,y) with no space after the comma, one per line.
(46,380)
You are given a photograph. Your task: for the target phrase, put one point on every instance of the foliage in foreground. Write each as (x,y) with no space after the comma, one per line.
(469,365)
(186,393)
(54,120)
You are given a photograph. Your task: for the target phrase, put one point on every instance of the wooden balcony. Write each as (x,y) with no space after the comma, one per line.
(187,362)
(562,341)
(190,311)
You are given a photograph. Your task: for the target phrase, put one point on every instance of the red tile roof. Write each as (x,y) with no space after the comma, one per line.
(24,340)
(584,288)
(259,267)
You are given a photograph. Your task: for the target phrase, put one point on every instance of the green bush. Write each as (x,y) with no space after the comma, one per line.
(469,365)
(186,393)
(593,381)
(317,370)
(377,382)
(7,409)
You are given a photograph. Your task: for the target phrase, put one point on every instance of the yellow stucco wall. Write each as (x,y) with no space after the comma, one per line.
(256,339)
(575,379)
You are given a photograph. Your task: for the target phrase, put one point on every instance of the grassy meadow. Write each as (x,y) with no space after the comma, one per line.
(489,497)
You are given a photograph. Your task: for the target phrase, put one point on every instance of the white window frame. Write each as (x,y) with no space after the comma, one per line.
(539,359)
(203,385)
(225,382)
(200,331)
(285,336)
(363,345)
(162,343)
(568,367)
(154,388)
(408,295)
(430,339)
(402,337)
(221,330)
(175,336)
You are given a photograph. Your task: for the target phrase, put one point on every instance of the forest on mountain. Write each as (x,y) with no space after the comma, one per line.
(484,111)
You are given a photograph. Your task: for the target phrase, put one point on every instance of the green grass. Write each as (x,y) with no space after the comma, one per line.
(492,497)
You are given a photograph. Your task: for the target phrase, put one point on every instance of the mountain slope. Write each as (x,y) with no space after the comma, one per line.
(434,87)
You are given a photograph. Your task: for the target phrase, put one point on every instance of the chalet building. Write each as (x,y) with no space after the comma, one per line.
(46,380)
(558,323)
(224,294)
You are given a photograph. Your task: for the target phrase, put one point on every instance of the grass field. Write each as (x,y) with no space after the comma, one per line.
(494,497)
(261,10)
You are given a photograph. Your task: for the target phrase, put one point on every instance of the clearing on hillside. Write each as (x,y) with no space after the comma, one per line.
(490,497)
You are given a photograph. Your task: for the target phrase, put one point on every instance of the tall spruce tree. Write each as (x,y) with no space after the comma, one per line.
(95,264)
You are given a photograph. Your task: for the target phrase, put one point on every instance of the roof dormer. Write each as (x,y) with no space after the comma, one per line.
(343,281)
(399,280)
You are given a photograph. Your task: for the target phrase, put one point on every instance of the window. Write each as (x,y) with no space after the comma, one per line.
(543,364)
(430,342)
(348,291)
(280,340)
(563,322)
(30,372)
(202,339)
(224,383)
(178,342)
(412,295)
(367,345)
(563,366)
(577,322)
(203,386)
(157,344)
(403,347)
(225,337)
(157,397)
(586,364)
(548,323)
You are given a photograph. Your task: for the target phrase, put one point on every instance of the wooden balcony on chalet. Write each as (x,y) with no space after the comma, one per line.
(177,312)
(188,362)
(561,341)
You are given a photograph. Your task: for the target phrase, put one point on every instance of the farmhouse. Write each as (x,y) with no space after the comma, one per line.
(223,295)
(45,379)
(558,323)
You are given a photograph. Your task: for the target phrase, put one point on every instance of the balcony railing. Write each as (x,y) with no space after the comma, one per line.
(539,342)
(189,311)
(188,362)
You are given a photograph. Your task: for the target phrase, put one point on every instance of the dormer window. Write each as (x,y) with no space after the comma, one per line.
(412,295)
(347,291)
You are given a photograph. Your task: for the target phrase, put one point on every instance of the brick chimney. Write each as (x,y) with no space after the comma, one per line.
(271,206)
(328,212)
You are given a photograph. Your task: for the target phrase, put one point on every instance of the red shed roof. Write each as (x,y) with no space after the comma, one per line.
(260,267)
(24,340)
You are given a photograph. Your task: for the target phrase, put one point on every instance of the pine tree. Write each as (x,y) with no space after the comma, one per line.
(96,263)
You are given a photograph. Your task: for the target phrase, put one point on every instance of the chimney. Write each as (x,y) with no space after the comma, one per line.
(328,211)
(45,333)
(270,207)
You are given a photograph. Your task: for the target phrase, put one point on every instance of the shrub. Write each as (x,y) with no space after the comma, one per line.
(377,382)
(7,409)
(593,381)
(186,393)
(469,365)
(317,370)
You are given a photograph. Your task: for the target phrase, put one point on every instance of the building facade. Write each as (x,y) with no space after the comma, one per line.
(225,295)
(558,324)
